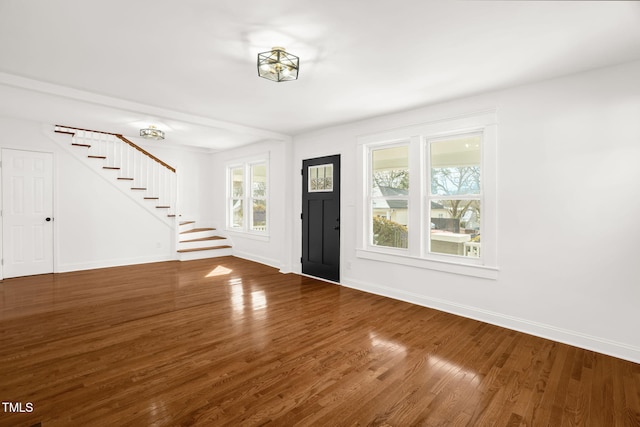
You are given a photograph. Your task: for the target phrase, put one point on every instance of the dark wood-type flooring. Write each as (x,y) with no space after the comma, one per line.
(230,342)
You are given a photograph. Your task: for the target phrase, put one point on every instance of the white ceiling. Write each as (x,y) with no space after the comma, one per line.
(190,65)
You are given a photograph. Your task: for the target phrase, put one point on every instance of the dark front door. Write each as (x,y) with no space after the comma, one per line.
(321,217)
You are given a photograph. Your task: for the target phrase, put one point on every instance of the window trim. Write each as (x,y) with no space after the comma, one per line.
(247,197)
(417,254)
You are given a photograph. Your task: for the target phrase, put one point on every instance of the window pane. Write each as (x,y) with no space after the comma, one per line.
(389,226)
(455,165)
(389,196)
(320,178)
(259,180)
(455,227)
(236,213)
(259,215)
(237,178)
(390,171)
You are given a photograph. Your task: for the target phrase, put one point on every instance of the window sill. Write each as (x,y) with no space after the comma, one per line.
(480,271)
(248,235)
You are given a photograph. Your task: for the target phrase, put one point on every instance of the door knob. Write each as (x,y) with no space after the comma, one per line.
(47,219)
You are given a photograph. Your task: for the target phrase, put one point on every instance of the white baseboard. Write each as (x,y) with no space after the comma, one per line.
(257,258)
(118,262)
(577,339)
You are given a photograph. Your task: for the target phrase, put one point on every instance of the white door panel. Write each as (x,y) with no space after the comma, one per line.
(27,204)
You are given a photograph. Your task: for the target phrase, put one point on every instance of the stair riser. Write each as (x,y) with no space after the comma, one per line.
(186,227)
(205,254)
(198,235)
(203,244)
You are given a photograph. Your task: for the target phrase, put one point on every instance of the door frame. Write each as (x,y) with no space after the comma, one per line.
(53,204)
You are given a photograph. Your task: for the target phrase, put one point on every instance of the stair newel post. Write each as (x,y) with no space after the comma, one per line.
(174,192)
(172,198)
(167,180)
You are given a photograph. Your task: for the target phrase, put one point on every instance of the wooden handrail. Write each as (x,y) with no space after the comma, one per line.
(143,151)
(123,139)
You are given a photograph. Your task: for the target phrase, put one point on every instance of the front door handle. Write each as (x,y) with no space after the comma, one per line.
(47,219)
(337,227)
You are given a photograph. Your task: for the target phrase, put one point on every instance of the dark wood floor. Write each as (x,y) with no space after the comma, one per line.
(229,342)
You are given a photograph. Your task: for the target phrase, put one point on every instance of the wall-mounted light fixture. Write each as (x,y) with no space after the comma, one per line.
(278,65)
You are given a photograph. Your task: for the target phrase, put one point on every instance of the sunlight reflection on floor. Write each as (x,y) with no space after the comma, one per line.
(219,271)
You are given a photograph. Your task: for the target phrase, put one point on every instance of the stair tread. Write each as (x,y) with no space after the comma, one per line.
(195,230)
(77,144)
(203,239)
(111,168)
(151,198)
(163,207)
(203,249)
(187,222)
(137,188)
(125,179)
(97,157)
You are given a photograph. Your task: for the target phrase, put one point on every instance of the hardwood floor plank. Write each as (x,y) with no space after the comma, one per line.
(230,342)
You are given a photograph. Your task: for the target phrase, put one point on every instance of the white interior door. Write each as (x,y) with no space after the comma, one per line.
(27,213)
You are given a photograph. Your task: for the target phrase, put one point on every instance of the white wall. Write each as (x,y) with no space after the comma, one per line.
(95,224)
(568,212)
(274,250)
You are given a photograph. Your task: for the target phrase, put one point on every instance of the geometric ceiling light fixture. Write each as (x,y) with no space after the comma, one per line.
(278,65)
(152,133)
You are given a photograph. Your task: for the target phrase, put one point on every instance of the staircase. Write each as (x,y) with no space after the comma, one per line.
(152,181)
(197,243)
(146,179)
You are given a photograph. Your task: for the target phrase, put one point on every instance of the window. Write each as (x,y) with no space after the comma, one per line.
(430,196)
(236,207)
(390,196)
(454,200)
(247,197)
(258,199)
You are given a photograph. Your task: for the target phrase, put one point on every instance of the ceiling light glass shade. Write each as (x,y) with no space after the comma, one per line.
(152,133)
(278,65)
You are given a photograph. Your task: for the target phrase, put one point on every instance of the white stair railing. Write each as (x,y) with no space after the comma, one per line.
(151,177)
